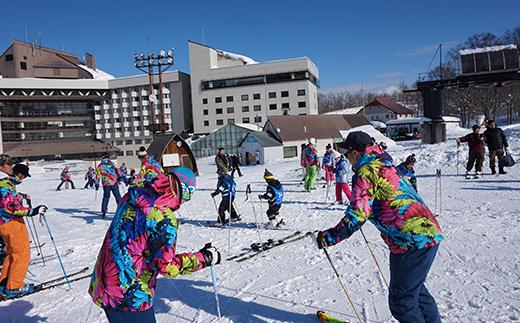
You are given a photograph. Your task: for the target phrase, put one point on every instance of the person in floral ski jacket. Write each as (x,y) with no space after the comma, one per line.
(140,245)
(406,224)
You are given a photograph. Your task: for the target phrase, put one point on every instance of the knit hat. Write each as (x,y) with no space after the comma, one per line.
(356,140)
(187,179)
(335,155)
(142,152)
(410,160)
(475,127)
(268,175)
(6,160)
(328,146)
(312,141)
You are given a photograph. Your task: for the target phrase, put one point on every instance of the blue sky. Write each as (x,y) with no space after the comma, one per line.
(378,43)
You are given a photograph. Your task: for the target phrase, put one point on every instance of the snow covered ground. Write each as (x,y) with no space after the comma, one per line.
(475,278)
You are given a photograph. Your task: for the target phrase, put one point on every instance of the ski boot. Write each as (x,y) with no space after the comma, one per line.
(236,219)
(468,176)
(17,292)
(477,175)
(502,171)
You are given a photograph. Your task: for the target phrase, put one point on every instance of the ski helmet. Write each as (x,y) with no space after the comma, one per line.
(188,181)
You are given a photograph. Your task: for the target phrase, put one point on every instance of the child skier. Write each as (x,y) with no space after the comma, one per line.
(312,164)
(327,165)
(274,197)
(406,169)
(140,245)
(131,178)
(109,173)
(227,187)
(476,142)
(14,232)
(90,177)
(341,172)
(407,226)
(124,174)
(65,178)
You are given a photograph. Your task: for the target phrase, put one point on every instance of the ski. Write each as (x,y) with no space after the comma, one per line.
(48,284)
(260,245)
(324,317)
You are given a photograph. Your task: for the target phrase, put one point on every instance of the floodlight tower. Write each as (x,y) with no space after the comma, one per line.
(147,64)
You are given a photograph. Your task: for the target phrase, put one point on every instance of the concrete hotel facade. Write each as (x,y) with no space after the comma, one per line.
(230,88)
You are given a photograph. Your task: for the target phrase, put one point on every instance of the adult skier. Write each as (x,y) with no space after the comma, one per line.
(497,144)
(475,142)
(227,187)
(327,165)
(235,165)
(341,173)
(407,226)
(274,197)
(124,174)
(222,162)
(65,178)
(108,173)
(406,169)
(13,230)
(140,245)
(90,177)
(302,161)
(312,163)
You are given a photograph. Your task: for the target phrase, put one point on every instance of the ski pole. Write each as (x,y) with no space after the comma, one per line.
(375,259)
(215,291)
(440,192)
(39,247)
(458,158)
(56,249)
(229,226)
(342,285)
(248,192)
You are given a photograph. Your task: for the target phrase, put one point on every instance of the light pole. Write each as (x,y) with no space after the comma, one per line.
(147,64)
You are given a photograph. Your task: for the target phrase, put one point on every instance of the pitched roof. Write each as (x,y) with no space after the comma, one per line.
(263,138)
(390,104)
(294,128)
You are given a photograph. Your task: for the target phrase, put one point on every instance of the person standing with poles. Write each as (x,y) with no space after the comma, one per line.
(341,172)
(274,197)
(312,164)
(497,145)
(408,227)
(221,161)
(475,142)
(140,245)
(65,178)
(14,232)
(327,167)
(109,174)
(227,187)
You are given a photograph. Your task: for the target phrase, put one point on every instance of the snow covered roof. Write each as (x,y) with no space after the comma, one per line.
(249,126)
(388,103)
(97,74)
(378,124)
(420,120)
(354,110)
(486,49)
(245,59)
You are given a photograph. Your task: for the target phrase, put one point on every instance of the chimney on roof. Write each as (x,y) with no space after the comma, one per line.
(90,60)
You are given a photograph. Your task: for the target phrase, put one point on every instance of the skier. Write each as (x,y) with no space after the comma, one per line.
(124,174)
(13,230)
(65,178)
(235,165)
(140,245)
(475,142)
(312,164)
(497,142)
(341,172)
(108,173)
(227,187)
(406,169)
(90,177)
(407,226)
(274,197)
(221,161)
(302,161)
(131,178)
(327,165)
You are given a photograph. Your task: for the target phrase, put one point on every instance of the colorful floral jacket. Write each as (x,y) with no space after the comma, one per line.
(91,173)
(11,202)
(388,200)
(140,244)
(108,172)
(123,170)
(341,170)
(311,156)
(65,176)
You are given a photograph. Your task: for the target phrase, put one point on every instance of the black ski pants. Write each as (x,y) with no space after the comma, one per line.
(226,206)
(478,158)
(272,211)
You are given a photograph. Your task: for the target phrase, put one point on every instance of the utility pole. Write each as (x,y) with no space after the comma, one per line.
(147,64)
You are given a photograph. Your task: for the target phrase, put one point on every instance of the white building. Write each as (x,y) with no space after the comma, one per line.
(124,117)
(231,88)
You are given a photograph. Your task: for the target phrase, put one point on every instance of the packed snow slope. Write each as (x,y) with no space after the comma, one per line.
(475,277)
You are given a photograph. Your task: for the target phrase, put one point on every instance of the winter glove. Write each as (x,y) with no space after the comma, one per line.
(260,196)
(321,239)
(40,209)
(214,194)
(211,255)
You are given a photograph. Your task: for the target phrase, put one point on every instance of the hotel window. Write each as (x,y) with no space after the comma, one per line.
(148,141)
(245,108)
(205,112)
(218,99)
(119,142)
(258,119)
(230,110)
(285,106)
(128,142)
(138,141)
(301,92)
(218,111)
(220,122)
(302,104)
(272,106)
(272,95)
(206,123)
(229,98)
(23,65)
(257,107)
(129,152)
(230,121)
(245,120)
(256,96)
(205,101)
(284,94)
(9,57)
(244,97)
